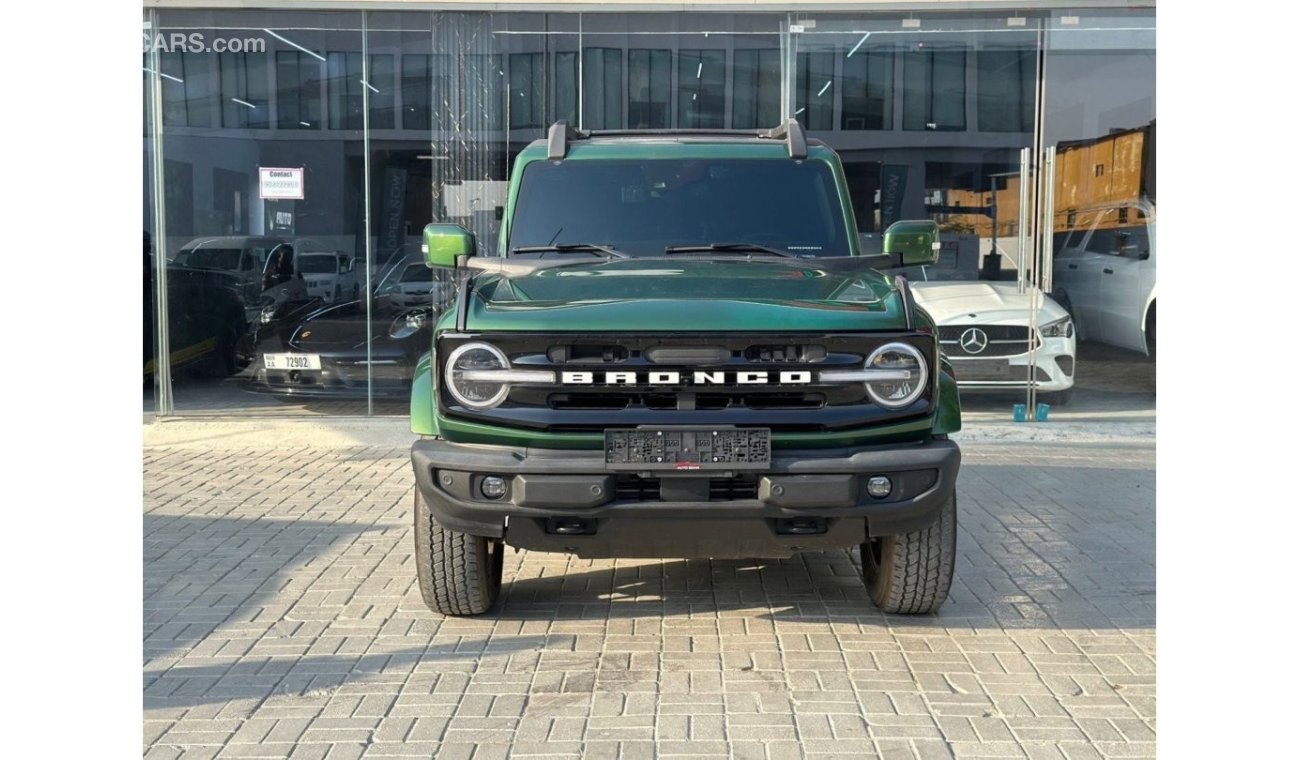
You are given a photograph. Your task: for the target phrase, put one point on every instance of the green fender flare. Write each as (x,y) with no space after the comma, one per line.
(423,420)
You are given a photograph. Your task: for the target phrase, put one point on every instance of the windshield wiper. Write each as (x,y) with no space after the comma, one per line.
(570,248)
(727,248)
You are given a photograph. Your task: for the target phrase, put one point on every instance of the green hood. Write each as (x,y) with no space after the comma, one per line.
(683,294)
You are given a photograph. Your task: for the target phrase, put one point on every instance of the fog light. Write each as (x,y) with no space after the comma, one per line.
(879,486)
(492,487)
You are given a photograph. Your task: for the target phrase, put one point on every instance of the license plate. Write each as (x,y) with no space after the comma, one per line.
(686,449)
(291,361)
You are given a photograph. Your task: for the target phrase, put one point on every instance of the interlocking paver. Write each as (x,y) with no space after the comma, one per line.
(282,619)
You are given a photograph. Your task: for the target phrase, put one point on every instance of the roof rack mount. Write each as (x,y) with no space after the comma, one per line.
(562,133)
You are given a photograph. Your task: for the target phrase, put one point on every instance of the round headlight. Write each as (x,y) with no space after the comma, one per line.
(896,394)
(476,394)
(407,324)
(267,314)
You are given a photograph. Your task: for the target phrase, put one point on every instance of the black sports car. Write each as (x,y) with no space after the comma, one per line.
(324,355)
(205,316)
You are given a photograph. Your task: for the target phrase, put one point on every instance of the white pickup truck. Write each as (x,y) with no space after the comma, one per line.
(330,275)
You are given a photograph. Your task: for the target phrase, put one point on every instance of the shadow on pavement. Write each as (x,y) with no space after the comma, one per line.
(1026,558)
(235,610)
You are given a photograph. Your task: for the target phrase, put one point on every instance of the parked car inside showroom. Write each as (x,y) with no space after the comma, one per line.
(323,354)
(984,325)
(413,286)
(206,324)
(330,275)
(244,257)
(1104,273)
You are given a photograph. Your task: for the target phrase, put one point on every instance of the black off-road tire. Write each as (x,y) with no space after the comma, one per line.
(910,573)
(459,574)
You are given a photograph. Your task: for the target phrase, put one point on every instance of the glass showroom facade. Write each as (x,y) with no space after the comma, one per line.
(292,157)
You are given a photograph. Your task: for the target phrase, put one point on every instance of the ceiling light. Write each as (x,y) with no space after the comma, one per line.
(855,47)
(288,41)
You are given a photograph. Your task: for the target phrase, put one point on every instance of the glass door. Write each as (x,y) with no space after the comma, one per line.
(935,119)
(1099,130)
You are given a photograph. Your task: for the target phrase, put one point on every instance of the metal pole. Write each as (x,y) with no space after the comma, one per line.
(582,62)
(365,181)
(1049,216)
(162,371)
(1022,221)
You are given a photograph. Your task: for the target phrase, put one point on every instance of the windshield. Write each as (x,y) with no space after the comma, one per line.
(316,263)
(397,272)
(212,258)
(642,207)
(417,273)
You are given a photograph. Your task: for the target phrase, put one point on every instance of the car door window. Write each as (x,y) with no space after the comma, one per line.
(1119,241)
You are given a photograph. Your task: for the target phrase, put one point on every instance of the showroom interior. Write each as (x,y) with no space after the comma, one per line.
(336,134)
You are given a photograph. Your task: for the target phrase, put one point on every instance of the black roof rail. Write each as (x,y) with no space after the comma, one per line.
(792,133)
(558,137)
(560,133)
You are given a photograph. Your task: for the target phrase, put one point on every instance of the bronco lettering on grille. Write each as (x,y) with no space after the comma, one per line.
(746,377)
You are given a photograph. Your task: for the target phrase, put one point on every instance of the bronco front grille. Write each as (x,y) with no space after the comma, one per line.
(685,401)
(752,379)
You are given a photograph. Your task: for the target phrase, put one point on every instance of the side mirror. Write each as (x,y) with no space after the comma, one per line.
(443,243)
(914,241)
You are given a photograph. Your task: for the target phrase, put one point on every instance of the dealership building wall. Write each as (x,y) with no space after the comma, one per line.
(390,114)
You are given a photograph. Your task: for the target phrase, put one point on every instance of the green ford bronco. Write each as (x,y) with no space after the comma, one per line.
(678,350)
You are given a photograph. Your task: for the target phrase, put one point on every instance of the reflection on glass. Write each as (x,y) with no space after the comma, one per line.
(343,83)
(381,80)
(934,89)
(1005,87)
(188,88)
(417,90)
(701,88)
(649,85)
(602,88)
(868,89)
(756,89)
(566,87)
(927,125)
(643,207)
(297,76)
(527,83)
(815,90)
(244,100)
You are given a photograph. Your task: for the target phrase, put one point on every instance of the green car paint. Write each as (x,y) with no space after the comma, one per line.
(915,241)
(424,421)
(444,242)
(681,295)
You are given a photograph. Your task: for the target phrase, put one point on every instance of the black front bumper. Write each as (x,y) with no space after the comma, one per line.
(562,500)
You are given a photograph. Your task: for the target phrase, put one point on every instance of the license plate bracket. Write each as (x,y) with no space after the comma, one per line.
(688,449)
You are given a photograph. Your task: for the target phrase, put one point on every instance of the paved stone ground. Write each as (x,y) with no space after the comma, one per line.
(282,620)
